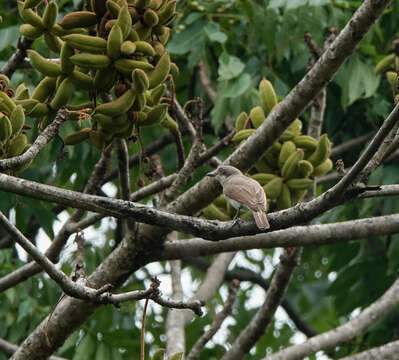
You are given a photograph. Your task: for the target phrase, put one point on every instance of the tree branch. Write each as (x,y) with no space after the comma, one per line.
(16,59)
(9,349)
(216,323)
(41,141)
(292,237)
(387,351)
(259,323)
(244,274)
(344,333)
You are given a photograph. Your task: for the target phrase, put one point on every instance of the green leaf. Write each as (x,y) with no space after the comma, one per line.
(188,39)
(237,86)
(212,31)
(229,66)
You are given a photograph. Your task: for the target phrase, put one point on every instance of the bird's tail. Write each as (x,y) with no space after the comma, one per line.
(261,220)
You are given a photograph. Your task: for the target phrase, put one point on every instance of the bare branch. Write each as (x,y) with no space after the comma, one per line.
(244,274)
(41,141)
(292,237)
(344,333)
(67,285)
(148,151)
(259,323)
(213,279)
(387,351)
(62,236)
(175,335)
(216,323)
(189,165)
(16,59)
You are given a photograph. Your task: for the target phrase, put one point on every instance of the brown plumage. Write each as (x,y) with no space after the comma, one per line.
(243,190)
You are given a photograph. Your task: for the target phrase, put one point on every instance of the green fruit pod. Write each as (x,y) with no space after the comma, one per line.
(128,48)
(6,103)
(257,116)
(323,168)
(150,17)
(119,106)
(50,15)
(273,188)
(242,135)
(290,165)
(284,200)
(155,115)
(161,71)
(306,142)
(124,21)
(263,178)
(287,149)
(212,212)
(21,92)
(169,123)
(91,61)
(5,128)
(305,168)
(44,66)
(63,94)
(299,184)
(44,89)
(114,42)
(77,137)
(17,119)
(78,19)
(384,64)
(30,32)
(17,145)
(267,95)
(140,80)
(322,151)
(240,121)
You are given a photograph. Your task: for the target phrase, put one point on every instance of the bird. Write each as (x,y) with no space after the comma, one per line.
(243,192)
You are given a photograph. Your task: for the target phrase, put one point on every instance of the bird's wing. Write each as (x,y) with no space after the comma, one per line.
(249,193)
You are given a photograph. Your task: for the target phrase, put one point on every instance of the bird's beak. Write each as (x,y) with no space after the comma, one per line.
(211,174)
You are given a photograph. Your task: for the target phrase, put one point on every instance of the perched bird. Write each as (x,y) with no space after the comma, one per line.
(243,192)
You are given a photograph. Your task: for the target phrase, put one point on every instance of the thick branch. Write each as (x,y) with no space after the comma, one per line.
(9,349)
(70,227)
(292,237)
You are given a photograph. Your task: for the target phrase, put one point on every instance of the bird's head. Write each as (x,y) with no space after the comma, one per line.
(223,172)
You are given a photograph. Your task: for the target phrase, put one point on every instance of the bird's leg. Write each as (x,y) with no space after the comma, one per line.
(236,218)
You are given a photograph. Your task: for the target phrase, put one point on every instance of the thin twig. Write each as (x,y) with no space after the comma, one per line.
(260,322)
(216,323)
(41,141)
